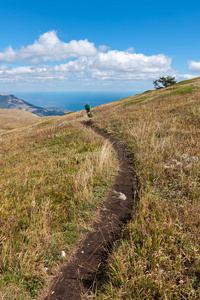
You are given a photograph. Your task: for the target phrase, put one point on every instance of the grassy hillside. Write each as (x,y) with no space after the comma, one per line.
(55,173)
(14,118)
(53,177)
(159,254)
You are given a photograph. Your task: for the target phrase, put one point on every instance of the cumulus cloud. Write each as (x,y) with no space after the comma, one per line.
(83,62)
(112,65)
(8,55)
(129,62)
(115,65)
(103,48)
(185,76)
(73,66)
(48,48)
(130,50)
(194,66)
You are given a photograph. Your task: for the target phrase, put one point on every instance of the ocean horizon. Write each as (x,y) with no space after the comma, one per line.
(73,101)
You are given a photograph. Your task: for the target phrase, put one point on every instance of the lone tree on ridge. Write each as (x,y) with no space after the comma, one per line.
(165,81)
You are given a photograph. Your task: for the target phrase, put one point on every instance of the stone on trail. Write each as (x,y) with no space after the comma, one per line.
(120,196)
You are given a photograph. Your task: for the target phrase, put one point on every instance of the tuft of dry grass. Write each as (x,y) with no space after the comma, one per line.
(53,178)
(158,256)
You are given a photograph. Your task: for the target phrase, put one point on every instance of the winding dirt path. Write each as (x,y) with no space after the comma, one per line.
(81,274)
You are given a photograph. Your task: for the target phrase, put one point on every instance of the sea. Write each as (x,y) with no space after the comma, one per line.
(73,101)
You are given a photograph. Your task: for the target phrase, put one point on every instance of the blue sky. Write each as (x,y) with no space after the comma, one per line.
(88,45)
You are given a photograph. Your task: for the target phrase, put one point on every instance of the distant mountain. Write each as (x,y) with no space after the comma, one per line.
(11,102)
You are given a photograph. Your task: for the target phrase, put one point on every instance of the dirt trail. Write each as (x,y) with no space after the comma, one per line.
(80,275)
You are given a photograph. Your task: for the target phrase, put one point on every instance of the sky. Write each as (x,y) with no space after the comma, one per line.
(96,45)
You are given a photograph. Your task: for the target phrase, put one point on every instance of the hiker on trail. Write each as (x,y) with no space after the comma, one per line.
(88,109)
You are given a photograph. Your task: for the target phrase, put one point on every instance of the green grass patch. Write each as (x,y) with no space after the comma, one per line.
(148,91)
(134,101)
(8,128)
(177,91)
(46,122)
(186,81)
(183,90)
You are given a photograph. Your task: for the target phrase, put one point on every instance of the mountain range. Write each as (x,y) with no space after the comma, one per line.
(9,101)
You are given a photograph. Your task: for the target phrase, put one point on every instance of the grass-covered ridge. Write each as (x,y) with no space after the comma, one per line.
(55,173)
(159,254)
(53,178)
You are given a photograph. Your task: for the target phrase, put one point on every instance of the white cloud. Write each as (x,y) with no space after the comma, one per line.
(84,63)
(28,73)
(8,55)
(72,66)
(130,62)
(3,68)
(194,66)
(103,48)
(113,65)
(118,65)
(130,50)
(48,48)
(185,76)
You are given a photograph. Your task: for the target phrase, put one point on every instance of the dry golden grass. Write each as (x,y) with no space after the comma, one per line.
(159,256)
(14,118)
(53,176)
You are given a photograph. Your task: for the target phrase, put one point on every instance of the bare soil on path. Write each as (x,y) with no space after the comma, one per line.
(80,276)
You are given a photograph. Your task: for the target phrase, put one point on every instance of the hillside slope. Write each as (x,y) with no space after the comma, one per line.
(159,254)
(53,178)
(14,118)
(55,174)
(9,101)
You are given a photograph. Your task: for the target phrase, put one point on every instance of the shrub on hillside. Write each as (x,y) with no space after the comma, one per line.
(164,81)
